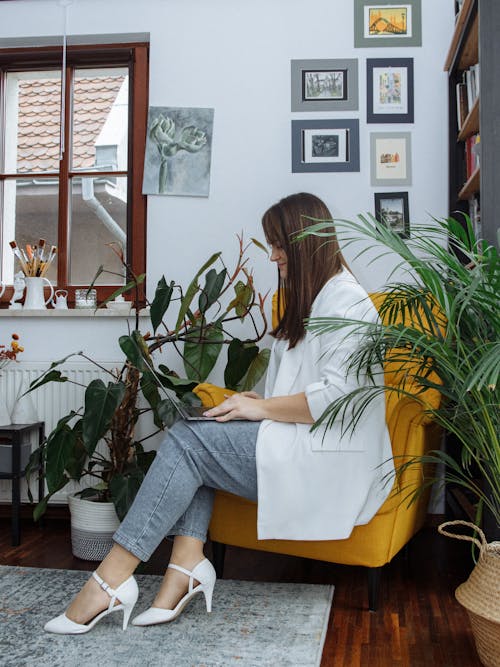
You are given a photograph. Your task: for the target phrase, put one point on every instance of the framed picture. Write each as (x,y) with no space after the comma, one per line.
(324,85)
(389,93)
(387,23)
(325,145)
(390,158)
(391,209)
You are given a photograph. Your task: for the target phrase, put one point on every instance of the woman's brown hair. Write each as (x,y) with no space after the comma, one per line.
(310,262)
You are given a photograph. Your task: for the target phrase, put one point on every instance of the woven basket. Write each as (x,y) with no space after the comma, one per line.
(92,527)
(480,594)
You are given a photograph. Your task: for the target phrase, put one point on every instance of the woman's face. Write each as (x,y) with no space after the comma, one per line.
(278,255)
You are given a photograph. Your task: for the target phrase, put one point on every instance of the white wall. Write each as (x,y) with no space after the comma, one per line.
(235,56)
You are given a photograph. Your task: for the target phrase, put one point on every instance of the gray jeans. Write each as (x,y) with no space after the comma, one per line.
(177,494)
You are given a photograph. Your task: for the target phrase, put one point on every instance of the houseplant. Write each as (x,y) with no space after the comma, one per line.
(449,342)
(205,318)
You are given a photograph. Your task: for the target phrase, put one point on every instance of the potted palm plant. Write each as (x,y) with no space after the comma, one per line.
(439,329)
(98,440)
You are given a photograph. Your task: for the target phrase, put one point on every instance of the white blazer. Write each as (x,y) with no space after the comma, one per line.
(318,486)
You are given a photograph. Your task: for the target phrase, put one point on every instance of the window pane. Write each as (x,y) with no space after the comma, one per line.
(29,214)
(32,121)
(100,119)
(98,218)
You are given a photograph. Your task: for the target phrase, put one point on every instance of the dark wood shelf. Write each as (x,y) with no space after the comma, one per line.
(471,122)
(471,186)
(458,35)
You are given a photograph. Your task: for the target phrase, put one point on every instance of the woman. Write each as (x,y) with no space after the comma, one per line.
(309,485)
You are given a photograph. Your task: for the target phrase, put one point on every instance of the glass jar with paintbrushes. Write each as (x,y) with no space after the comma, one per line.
(35,261)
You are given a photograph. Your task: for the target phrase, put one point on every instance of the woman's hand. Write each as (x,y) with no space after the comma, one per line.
(249,405)
(246,405)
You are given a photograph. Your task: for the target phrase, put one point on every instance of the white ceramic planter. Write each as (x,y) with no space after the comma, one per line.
(92,528)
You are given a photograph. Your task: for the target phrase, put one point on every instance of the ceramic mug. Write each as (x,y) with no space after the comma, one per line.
(60,299)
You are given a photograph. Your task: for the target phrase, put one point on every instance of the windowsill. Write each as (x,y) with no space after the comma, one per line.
(71,312)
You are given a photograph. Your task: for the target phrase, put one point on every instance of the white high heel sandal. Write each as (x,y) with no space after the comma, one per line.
(204,573)
(127,593)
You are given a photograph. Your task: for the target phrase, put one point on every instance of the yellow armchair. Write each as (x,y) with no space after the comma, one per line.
(234,519)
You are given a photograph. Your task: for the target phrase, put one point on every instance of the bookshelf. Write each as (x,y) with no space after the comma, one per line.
(473,65)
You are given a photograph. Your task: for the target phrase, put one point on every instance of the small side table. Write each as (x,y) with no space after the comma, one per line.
(13,435)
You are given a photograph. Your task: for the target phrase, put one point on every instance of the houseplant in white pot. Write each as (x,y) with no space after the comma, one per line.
(214,301)
(449,341)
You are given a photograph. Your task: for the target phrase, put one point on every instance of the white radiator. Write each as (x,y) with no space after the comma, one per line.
(51,401)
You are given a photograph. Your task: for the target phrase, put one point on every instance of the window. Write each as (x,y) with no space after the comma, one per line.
(71,163)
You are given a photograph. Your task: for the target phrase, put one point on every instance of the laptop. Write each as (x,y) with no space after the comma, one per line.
(189,412)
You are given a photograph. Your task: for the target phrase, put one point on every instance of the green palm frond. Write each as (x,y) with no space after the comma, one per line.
(438,331)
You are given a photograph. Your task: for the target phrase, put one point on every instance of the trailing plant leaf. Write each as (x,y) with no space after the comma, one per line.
(161,302)
(239,357)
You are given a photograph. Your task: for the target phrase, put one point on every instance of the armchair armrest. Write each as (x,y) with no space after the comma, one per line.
(211,394)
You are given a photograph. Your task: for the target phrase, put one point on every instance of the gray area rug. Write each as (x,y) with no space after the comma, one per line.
(252,623)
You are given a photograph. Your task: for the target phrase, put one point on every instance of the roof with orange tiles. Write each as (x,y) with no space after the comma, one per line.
(39,121)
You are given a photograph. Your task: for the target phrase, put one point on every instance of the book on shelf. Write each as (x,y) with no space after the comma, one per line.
(471,79)
(472,154)
(462,105)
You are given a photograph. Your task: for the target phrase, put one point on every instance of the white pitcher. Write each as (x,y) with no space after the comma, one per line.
(34,293)
(2,289)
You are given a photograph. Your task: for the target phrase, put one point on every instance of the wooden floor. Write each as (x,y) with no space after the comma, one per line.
(419,623)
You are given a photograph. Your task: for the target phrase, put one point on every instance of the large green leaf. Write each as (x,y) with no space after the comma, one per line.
(123,489)
(51,376)
(191,291)
(101,402)
(214,282)
(179,385)
(161,302)
(243,298)
(200,357)
(135,349)
(151,394)
(78,457)
(60,447)
(239,358)
(256,370)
